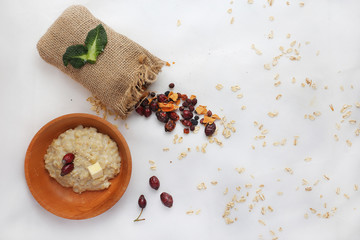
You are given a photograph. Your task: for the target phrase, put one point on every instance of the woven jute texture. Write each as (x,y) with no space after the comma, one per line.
(121,73)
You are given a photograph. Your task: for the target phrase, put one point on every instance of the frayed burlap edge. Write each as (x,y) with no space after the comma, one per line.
(146,76)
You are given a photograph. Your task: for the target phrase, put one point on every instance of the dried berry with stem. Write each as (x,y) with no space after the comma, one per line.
(142,205)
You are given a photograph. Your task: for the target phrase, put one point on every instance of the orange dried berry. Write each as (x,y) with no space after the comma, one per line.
(167,107)
(173,96)
(201,110)
(209,120)
(168,64)
(192,97)
(215,116)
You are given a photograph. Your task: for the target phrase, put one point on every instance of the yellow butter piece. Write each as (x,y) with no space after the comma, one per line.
(95,170)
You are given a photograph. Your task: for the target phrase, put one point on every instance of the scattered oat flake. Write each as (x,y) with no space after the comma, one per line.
(153,167)
(235,88)
(257,51)
(301,4)
(166,149)
(240,95)
(201,186)
(250,1)
(356,187)
(243,107)
(182,155)
(189,212)
(219,86)
(267,66)
(271,34)
(178,23)
(277,83)
(338,191)
(226,191)
(331,107)
(273,114)
(289,170)
(308,189)
(214,183)
(348,142)
(307,159)
(346,196)
(240,170)
(229,10)
(262,222)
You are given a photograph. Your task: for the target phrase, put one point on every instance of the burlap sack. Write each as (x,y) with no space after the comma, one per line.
(121,73)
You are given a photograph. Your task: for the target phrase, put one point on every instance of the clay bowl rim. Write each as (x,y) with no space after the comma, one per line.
(108,197)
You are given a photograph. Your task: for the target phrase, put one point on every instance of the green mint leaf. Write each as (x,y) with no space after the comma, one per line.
(95,42)
(78,55)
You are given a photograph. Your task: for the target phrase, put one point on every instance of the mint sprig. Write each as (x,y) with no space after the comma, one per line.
(78,55)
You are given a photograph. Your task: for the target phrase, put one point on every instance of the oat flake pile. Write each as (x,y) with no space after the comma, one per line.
(122,72)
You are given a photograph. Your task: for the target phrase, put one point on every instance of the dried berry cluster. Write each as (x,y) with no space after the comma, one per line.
(68,161)
(165,106)
(165,197)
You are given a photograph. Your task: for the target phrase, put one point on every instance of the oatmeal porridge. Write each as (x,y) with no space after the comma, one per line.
(96,159)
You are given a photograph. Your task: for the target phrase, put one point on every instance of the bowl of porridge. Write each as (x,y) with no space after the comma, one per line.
(91,180)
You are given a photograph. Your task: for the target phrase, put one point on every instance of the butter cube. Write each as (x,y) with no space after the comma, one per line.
(95,170)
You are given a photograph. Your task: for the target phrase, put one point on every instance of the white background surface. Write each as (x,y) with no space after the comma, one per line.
(207,50)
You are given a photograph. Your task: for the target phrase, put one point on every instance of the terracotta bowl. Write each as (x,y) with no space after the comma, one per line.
(62,201)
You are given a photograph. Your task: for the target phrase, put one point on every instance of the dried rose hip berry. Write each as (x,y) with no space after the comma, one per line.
(145,102)
(162,98)
(152,94)
(170,125)
(192,128)
(210,129)
(68,158)
(147,112)
(209,113)
(140,110)
(185,104)
(154,182)
(189,101)
(166,199)
(162,116)
(186,130)
(186,123)
(191,108)
(154,106)
(202,121)
(181,108)
(142,201)
(186,114)
(142,205)
(194,101)
(174,116)
(171,85)
(66,169)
